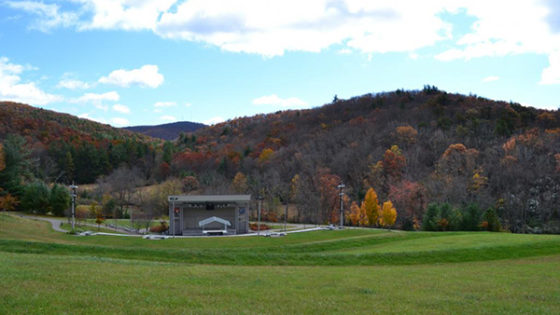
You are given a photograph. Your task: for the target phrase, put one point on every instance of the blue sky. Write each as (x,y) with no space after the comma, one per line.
(133,62)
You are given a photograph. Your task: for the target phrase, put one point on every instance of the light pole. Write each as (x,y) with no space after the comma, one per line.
(260,199)
(285,216)
(341,194)
(74,195)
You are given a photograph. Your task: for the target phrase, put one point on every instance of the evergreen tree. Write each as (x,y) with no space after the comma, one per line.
(69,167)
(471,218)
(491,221)
(36,198)
(17,165)
(59,200)
(431,218)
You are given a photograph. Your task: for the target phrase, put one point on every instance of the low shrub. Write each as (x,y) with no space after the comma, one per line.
(162,227)
(255,227)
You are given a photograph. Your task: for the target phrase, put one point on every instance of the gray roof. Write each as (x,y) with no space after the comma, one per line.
(213,219)
(210,198)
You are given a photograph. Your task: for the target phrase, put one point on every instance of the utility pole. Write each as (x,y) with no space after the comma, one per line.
(341,194)
(172,219)
(260,199)
(74,195)
(285,216)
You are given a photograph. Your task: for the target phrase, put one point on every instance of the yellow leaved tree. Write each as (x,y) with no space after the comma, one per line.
(239,183)
(388,214)
(370,206)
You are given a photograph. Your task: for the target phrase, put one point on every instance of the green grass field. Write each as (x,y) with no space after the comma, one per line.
(348,271)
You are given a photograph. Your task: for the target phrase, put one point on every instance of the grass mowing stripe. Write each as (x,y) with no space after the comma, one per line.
(250,257)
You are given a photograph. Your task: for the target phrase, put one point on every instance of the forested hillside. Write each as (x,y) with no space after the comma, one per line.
(464,153)
(442,161)
(54,147)
(169,131)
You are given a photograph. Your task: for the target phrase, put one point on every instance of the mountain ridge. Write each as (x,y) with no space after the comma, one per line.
(169,131)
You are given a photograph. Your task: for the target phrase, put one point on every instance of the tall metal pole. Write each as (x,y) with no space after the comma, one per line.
(173,216)
(259,216)
(285,216)
(341,194)
(73,188)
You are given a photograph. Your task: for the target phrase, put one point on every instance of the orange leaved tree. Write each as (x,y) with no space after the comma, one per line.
(357,215)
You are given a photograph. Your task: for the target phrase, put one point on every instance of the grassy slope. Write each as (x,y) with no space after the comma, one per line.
(132,275)
(54,284)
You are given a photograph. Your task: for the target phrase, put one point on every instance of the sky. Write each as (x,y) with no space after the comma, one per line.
(148,62)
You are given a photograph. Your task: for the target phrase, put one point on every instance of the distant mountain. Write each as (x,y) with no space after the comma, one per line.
(167,131)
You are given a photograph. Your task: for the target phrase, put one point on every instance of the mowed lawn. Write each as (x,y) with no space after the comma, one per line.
(350,271)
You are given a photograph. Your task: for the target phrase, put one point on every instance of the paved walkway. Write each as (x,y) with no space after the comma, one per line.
(54,222)
(57,222)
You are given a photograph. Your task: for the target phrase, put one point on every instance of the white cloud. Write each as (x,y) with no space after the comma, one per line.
(188,104)
(272,28)
(72,84)
(524,27)
(125,14)
(551,75)
(214,120)
(117,121)
(48,15)
(521,28)
(87,116)
(145,76)
(164,104)
(96,97)
(274,100)
(102,107)
(168,118)
(13,89)
(491,78)
(121,108)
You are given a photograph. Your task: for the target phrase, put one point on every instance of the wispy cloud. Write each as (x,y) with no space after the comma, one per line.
(551,75)
(87,116)
(97,97)
(145,76)
(491,78)
(117,121)
(13,88)
(48,15)
(214,120)
(168,118)
(275,100)
(73,84)
(121,108)
(272,28)
(164,104)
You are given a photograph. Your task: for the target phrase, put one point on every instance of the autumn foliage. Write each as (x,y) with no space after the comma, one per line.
(411,147)
(370,206)
(394,162)
(357,215)
(388,214)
